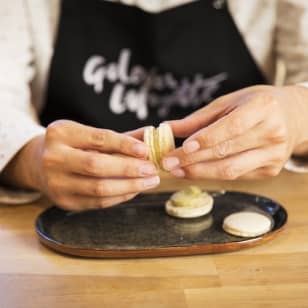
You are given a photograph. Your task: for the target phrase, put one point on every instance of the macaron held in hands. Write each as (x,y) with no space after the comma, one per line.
(160,142)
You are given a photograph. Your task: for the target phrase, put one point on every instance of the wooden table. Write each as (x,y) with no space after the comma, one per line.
(272,275)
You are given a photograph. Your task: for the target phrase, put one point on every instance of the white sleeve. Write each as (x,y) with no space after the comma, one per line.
(291,41)
(292,53)
(18,122)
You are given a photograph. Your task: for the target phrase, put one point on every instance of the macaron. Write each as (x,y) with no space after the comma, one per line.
(191,202)
(247,224)
(160,141)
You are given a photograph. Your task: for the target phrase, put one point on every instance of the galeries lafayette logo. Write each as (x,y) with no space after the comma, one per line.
(136,89)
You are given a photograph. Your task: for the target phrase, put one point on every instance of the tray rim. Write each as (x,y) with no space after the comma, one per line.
(171,251)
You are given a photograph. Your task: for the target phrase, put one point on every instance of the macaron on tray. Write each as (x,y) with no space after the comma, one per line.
(185,222)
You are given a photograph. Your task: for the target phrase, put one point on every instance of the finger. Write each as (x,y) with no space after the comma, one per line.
(91,138)
(106,165)
(230,126)
(78,202)
(255,137)
(137,133)
(195,121)
(261,173)
(209,114)
(89,186)
(229,168)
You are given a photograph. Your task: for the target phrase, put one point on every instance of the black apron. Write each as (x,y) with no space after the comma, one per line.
(119,67)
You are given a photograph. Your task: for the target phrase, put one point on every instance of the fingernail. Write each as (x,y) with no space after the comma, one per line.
(191,146)
(151,182)
(147,169)
(140,149)
(178,173)
(170,163)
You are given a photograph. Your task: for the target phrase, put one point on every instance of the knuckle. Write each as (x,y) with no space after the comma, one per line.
(48,159)
(188,160)
(130,170)
(205,140)
(108,190)
(55,129)
(271,172)
(269,100)
(279,134)
(222,149)
(100,137)
(99,189)
(280,159)
(124,144)
(135,185)
(236,126)
(226,172)
(193,173)
(65,202)
(90,164)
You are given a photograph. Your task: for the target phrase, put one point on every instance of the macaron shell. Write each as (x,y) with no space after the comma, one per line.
(156,147)
(160,142)
(165,138)
(181,200)
(165,141)
(247,224)
(186,212)
(149,139)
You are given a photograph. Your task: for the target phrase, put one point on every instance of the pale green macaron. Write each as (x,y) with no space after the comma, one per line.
(191,202)
(160,141)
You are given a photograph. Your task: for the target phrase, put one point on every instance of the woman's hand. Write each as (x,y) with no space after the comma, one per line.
(78,167)
(247,134)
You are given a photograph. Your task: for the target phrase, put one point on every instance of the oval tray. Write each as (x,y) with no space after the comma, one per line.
(141,228)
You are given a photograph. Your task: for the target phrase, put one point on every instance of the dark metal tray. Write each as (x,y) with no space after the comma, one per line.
(141,228)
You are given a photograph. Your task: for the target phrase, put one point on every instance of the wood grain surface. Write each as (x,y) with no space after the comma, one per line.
(274,274)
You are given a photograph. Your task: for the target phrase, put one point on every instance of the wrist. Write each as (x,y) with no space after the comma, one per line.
(32,162)
(297,100)
(24,169)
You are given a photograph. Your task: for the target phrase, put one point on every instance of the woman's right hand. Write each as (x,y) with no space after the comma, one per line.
(77,166)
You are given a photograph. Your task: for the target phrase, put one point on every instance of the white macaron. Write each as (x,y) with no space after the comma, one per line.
(247,224)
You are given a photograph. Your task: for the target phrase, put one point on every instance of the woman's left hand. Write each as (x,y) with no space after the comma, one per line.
(247,134)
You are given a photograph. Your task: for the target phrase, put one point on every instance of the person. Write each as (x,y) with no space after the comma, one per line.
(79,80)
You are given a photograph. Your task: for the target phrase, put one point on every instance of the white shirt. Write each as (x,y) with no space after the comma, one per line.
(275,32)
